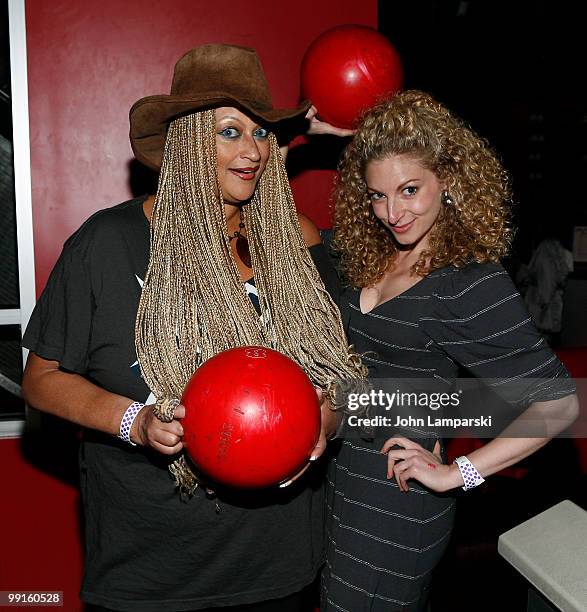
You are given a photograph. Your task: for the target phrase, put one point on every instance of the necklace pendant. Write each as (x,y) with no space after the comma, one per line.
(242,249)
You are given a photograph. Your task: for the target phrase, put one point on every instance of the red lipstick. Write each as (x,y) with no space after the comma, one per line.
(245,174)
(400,229)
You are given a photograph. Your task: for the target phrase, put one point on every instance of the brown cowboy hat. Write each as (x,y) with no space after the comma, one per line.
(205,77)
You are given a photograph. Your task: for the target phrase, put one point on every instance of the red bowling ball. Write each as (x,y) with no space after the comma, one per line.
(348,69)
(252,418)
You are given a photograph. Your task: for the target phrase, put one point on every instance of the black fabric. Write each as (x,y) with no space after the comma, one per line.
(324,263)
(145,548)
(298,602)
(382,543)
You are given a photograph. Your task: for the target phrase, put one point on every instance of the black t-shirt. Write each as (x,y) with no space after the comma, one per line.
(145,548)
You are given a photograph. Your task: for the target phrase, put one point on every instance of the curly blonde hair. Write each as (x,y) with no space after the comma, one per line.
(475,226)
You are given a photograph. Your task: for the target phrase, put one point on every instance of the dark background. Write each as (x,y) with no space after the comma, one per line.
(5,112)
(515,71)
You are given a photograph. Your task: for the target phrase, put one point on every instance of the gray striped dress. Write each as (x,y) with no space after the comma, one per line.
(383,544)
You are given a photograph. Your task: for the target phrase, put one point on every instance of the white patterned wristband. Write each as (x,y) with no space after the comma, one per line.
(471,476)
(128,418)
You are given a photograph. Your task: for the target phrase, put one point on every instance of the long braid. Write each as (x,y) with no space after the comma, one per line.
(306,322)
(193,303)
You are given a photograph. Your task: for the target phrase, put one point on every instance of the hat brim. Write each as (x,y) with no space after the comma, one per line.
(150,118)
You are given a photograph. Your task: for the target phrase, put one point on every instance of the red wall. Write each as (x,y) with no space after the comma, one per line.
(40,527)
(88,62)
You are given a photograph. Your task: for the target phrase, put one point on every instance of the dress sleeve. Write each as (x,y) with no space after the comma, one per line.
(481,322)
(60,326)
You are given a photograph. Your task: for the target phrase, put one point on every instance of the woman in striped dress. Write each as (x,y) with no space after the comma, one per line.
(421,223)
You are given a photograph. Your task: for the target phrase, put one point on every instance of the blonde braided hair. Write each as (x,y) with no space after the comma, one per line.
(193,303)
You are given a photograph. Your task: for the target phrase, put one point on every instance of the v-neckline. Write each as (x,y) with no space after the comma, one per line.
(395,297)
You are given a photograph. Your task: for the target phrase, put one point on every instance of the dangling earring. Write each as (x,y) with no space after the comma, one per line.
(446,199)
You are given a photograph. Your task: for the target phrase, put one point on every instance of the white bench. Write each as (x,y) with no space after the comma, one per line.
(550,551)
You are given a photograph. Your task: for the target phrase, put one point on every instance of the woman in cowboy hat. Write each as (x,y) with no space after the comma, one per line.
(141,296)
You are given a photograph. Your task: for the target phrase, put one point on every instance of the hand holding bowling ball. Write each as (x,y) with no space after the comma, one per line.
(327,430)
(147,430)
(318,126)
(252,418)
(348,69)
